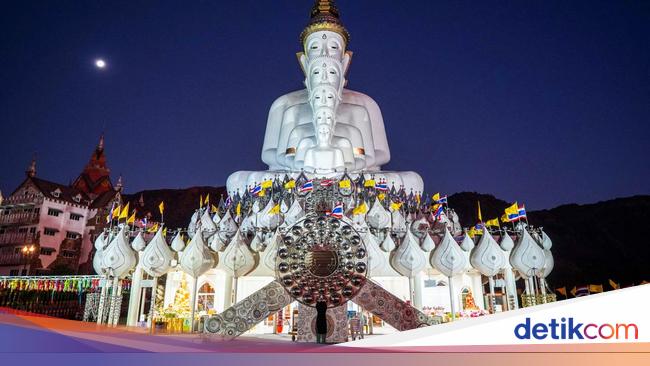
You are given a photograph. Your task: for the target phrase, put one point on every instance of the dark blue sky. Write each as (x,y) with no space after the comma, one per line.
(545,102)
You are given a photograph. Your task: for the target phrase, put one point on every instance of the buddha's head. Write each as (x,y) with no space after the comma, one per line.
(324,115)
(324,134)
(325,36)
(324,96)
(325,47)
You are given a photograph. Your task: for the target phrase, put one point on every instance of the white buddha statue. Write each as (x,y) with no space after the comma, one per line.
(356,126)
(324,158)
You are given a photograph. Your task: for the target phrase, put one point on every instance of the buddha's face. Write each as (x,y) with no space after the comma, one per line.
(324,96)
(324,71)
(324,134)
(324,116)
(325,43)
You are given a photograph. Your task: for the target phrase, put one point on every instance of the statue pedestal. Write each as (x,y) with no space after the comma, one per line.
(337,324)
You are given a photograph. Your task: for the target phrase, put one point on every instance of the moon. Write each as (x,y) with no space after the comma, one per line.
(100,63)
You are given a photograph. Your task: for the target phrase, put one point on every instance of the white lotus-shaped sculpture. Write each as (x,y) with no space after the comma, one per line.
(138,244)
(408,259)
(227,227)
(398,227)
(156,259)
(447,257)
(208,227)
(238,259)
(378,217)
(118,257)
(196,259)
(527,257)
(506,243)
(487,257)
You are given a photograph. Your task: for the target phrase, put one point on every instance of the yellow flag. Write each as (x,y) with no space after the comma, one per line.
(125,212)
(238,209)
(360,210)
(480,218)
(200,201)
(561,291)
(614,285)
(165,232)
(494,222)
(161,207)
(471,232)
(290,184)
(595,288)
(513,209)
(417,198)
(207,200)
(116,212)
(267,184)
(131,218)
(395,205)
(214,209)
(381,196)
(275,209)
(504,218)
(345,183)
(369,183)
(436,197)
(262,193)
(153,228)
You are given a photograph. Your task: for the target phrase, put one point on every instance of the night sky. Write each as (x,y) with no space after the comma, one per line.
(545,102)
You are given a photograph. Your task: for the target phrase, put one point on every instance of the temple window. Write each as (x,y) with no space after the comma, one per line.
(49,231)
(205,297)
(53,212)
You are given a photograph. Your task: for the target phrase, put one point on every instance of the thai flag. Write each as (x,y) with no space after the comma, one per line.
(143,221)
(513,217)
(442,199)
(256,190)
(110,214)
(438,212)
(381,186)
(326,182)
(522,212)
(307,187)
(337,211)
(228,201)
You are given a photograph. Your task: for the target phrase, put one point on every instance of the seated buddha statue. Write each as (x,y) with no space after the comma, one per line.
(324,158)
(356,130)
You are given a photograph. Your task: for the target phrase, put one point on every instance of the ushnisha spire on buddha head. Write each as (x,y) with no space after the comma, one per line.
(324,16)
(324,38)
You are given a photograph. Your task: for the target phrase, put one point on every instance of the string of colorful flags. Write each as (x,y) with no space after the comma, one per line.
(55,284)
(584,290)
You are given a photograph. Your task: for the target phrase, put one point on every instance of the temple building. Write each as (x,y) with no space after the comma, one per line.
(48,227)
(323,225)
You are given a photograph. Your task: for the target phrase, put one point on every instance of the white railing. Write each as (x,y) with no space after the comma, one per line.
(19,218)
(19,238)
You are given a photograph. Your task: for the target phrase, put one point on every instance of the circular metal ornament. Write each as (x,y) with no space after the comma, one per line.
(321,258)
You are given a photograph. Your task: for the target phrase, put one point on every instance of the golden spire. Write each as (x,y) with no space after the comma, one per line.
(325,17)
